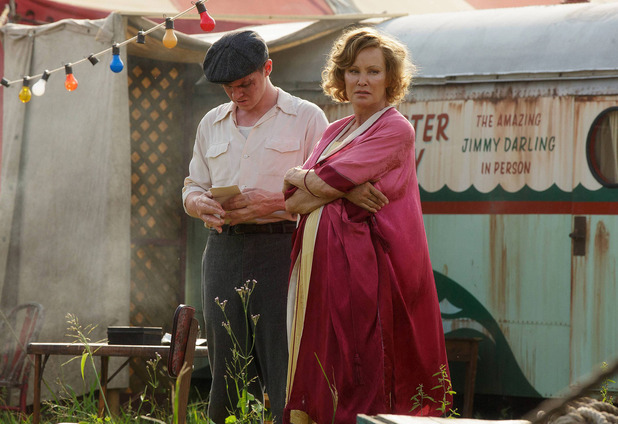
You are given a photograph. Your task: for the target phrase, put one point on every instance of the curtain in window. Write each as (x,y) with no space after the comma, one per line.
(607,148)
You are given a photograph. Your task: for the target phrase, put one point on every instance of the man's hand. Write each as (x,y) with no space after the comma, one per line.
(251,204)
(204,207)
(367,197)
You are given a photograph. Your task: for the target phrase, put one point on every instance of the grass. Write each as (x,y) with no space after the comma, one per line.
(85,412)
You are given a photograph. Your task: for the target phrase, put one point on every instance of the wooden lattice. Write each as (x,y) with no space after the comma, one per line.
(156,100)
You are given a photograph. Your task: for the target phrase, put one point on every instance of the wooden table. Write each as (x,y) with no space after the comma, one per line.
(104,350)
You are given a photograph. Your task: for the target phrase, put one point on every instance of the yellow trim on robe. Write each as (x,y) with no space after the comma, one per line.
(302,271)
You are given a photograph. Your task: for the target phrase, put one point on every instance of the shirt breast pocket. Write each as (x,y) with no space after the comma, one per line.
(218,160)
(280,155)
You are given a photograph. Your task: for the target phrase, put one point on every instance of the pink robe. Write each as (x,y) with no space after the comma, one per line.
(372,314)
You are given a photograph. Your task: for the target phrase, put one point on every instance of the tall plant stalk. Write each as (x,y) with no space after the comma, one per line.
(248,409)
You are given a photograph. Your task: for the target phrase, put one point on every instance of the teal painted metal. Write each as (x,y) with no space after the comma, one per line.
(517,300)
(595,294)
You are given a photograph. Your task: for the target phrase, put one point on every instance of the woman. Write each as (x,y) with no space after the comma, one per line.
(363,316)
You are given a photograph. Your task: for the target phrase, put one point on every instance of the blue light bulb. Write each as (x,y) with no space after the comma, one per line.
(116,64)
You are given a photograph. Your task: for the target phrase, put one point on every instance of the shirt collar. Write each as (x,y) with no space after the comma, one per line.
(285,103)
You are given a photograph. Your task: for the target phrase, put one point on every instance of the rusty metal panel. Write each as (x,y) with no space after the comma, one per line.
(579,235)
(594,282)
(594,296)
(518,269)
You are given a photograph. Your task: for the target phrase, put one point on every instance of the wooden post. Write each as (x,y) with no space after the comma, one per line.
(36,412)
(103,392)
(185,382)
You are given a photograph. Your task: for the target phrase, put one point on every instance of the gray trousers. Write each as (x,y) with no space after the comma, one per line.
(229,261)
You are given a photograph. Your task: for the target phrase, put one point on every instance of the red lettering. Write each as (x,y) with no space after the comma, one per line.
(438,123)
(415,119)
(484,120)
(428,128)
(442,124)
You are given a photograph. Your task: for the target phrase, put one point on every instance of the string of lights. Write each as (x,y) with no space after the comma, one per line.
(207,24)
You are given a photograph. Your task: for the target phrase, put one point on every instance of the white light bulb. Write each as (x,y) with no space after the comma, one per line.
(38,89)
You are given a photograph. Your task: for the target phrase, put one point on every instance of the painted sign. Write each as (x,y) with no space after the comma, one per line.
(486,143)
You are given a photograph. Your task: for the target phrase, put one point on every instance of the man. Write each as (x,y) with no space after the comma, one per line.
(250,142)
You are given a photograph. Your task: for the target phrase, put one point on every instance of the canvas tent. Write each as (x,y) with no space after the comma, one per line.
(229,14)
(64,193)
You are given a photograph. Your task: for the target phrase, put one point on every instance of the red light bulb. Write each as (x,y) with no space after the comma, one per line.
(71,82)
(207,23)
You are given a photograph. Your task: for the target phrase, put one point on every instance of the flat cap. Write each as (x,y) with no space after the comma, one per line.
(234,56)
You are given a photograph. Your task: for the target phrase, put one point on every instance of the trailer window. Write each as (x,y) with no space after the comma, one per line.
(602,148)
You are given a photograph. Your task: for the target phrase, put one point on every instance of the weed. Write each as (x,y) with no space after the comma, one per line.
(82,335)
(444,383)
(238,379)
(333,390)
(605,395)
(420,399)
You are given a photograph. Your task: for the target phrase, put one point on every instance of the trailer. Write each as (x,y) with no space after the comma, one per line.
(516,119)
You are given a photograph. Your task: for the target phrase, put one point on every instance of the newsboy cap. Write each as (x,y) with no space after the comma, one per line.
(234,56)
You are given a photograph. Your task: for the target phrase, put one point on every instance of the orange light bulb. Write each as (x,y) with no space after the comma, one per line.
(71,82)
(169,39)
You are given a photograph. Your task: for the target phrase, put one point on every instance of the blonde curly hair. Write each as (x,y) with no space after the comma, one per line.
(399,68)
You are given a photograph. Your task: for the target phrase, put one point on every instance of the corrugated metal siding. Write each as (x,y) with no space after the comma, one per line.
(538,39)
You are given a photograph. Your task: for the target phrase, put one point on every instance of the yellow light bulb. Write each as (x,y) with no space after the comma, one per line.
(25,94)
(169,39)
